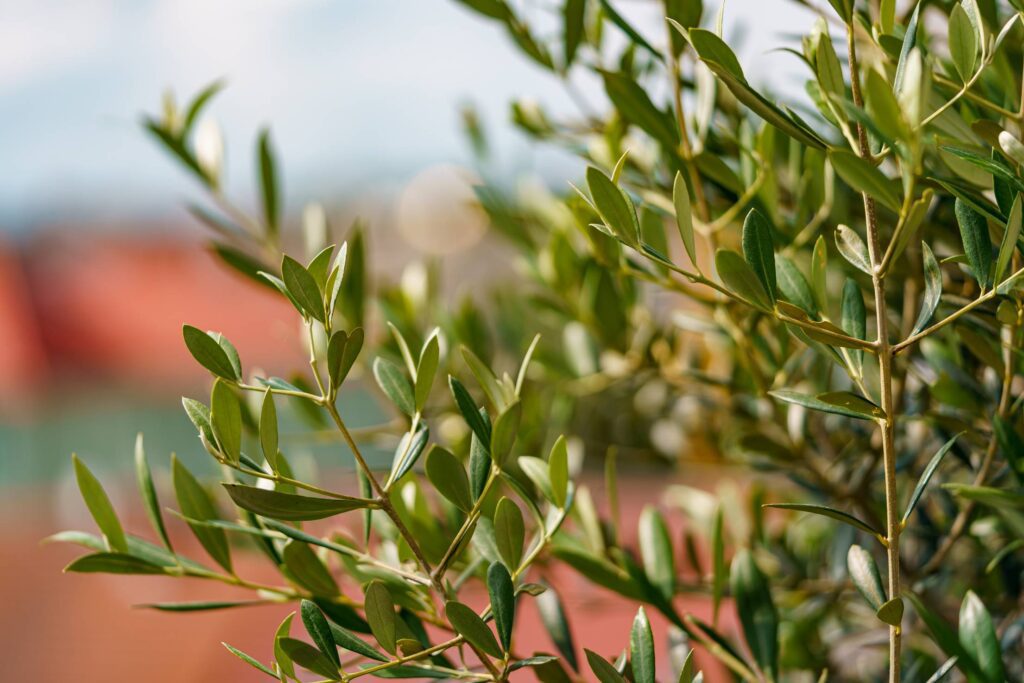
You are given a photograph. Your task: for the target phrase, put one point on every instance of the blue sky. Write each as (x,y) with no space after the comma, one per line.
(359,93)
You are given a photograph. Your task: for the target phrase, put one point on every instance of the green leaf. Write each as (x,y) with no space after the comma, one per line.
(552,616)
(926,476)
(684,218)
(226,420)
(740,279)
(978,637)
(854,314)
(319,630)
(977,245)
(347,640)
(194,503)
(336,281)
(630,32)
(599,570)
(319,267)
(793,286)
(303,288)
(201,606)
(862,176)
(633,104)
(503,602)
(99,507)
(883,108)
(208,353)
(756,611)
(723,63)
(268,429)
(290,506)
(641,649)
(558,472)
(449,477)
(719,573)
(509,533)
(471,414)
(251,661)
(342,351)
(395,385)
(380,613)
(308,657)
(426,370)
(838,403)
(656,551)
(759,251)
(946,638)
(112,563)
(470,626)
(963,43)
(269,183)
(614,206)
(308,570)
(909,39)
(819,272)
(823,510)
(283,630)
(148,491)
(891,612)
(865,575)
(710,48)
(409,450)
(932,289)
(503,434)
(572,34)
(854,319)
(1009,242)
(603,669)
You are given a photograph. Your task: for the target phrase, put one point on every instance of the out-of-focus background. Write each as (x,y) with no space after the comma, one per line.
(100,263)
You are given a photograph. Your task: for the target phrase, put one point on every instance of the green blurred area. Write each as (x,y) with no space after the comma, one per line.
(101,428)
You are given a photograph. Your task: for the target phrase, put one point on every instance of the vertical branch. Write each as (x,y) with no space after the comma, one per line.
(885,357)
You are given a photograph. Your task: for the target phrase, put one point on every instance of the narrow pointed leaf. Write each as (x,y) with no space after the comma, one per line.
(932,289)
(291,506)
(839,515)
(470,626)
(978,637)
(641,649)
(684,219)
(865,575)
(977,245)
(759,251)
(853,248)
(395,385)
(148,491)
(99,507)
(319,630)
(509,533)
(380,613)
(740,279)
(1009,242)
(308,657)
(449,477)
(926,476)
(303,288)
(208,352)
(757,612)
(226,420)
(552,615)
(194,503)
(826,403)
